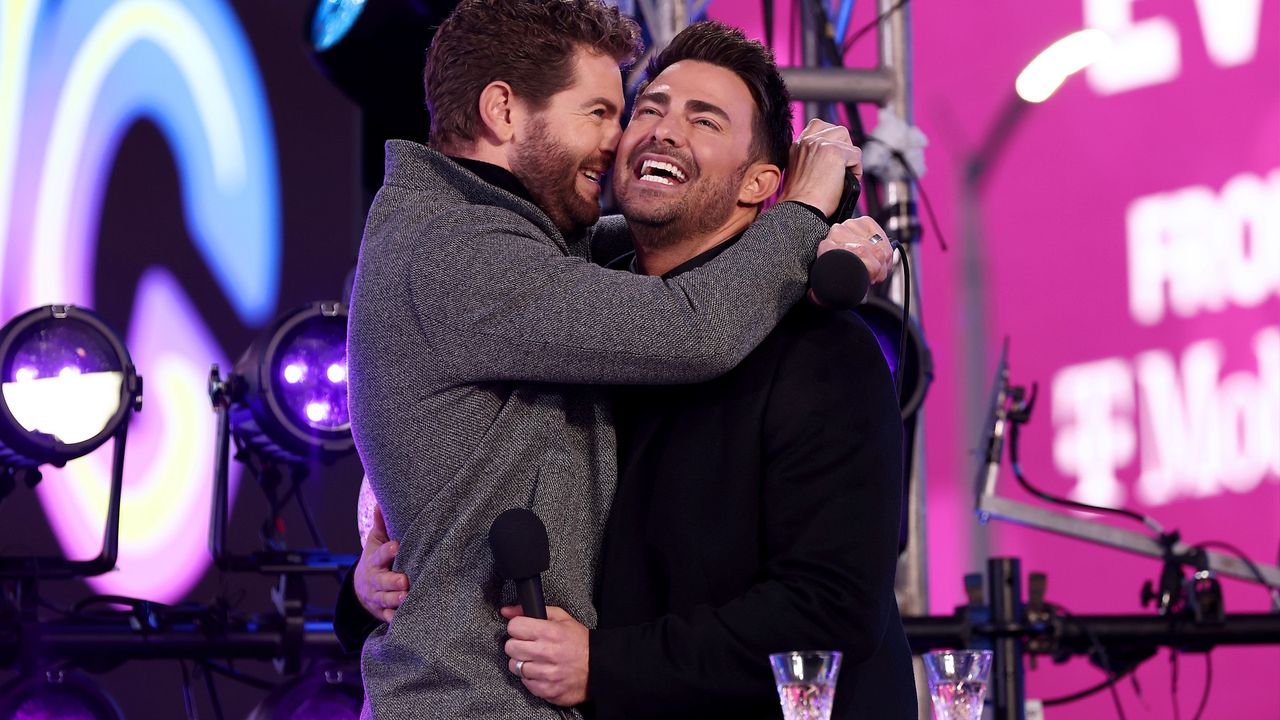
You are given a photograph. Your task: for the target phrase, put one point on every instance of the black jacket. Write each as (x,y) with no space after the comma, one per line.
(756,513)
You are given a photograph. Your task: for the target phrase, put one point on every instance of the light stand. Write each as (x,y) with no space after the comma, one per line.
(1008,409)
(1189,613)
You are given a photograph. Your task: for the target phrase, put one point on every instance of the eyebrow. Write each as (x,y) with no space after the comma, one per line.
(696,106)
(702,106)
(606,102)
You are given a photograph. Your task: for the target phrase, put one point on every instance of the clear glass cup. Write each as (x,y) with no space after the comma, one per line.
(958,682)
(806,683)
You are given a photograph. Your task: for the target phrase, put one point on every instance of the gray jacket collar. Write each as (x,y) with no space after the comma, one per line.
(417,167)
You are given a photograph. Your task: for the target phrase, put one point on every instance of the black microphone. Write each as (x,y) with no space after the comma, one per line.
(838,278)
(522,553)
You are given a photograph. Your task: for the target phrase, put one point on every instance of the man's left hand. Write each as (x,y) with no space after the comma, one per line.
(554,654)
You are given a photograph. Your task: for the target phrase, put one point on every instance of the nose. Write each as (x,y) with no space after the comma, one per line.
(668,132)
(609,141)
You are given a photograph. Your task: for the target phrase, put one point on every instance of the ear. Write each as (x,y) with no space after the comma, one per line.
(759,183)
(498,111)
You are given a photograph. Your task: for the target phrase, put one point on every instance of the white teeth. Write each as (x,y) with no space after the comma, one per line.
(656,179)
(668,167)
(592,176)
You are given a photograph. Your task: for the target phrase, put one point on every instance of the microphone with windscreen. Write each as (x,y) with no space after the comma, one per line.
(521,553)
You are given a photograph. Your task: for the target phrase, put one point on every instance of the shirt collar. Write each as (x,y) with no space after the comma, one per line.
(496,175)
(628,261)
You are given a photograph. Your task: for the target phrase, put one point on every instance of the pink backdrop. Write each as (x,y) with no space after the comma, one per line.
(1134,259)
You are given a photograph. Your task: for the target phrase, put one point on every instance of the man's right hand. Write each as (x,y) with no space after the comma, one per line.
(379,590)
(815,173)
(863,237)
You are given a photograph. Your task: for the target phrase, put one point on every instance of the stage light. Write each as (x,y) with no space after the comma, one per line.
(374,52)
(331,695)
(57,695)
(332,19)
(1045,74)
(287,399)
(884,317)
(66,386)
(286,407)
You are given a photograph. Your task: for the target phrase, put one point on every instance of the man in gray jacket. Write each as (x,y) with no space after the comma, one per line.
(480,330)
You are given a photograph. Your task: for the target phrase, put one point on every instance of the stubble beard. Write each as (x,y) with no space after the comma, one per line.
(699,212)
(550,173)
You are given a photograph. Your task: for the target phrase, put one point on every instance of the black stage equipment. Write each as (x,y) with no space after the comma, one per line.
(374,51)
(67,385)
(56,695)
(285,406)
(1188,616)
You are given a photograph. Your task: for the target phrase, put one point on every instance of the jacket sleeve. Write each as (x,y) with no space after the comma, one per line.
(499,303)
(351,622)
(610,240)
(830,516)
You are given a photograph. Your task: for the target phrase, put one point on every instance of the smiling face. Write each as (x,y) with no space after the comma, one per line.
(561,152)
(686,151)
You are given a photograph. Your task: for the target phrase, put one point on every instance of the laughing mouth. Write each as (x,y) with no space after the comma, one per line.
(662,173)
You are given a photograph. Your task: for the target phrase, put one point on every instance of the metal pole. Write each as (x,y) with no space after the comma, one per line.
(1007,693)
(895,64)
(872,85)
(809,29)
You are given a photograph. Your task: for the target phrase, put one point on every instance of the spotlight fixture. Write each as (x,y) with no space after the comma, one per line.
(374,52)
(57,695)
(285,406)
(884,317)
(328,695)
(287,398)
(67,385)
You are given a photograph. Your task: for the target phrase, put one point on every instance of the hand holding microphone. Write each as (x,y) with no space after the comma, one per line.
(855,254)
(548,649)
(820,160)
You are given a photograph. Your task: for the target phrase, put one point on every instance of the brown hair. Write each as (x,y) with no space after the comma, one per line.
(718,44)
(529,44)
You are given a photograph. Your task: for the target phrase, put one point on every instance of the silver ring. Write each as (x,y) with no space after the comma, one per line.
(520,669)
(877,237)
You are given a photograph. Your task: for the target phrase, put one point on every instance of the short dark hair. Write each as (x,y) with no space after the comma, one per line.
(718,44)
(530,44)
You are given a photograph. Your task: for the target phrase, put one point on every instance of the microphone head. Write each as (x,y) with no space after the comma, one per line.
(839,279)
(519,543)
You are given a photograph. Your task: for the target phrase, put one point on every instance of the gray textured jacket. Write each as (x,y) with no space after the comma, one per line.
(470,316)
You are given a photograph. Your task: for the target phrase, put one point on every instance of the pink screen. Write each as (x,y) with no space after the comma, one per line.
(1131,228)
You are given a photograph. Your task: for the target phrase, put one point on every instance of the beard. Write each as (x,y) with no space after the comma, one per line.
(550,173)
(704,206)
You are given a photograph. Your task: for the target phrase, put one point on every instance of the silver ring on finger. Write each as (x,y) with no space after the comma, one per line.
(520,669)
(877,237)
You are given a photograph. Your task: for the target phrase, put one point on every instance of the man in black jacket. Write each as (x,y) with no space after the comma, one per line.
(757,512)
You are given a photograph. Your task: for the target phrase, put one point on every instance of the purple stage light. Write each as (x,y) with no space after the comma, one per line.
(337,373)
(331,695)
(317,412)
(884,318)
(317,347)
(292,405)
(293,373)
(53,349)
(59,696)
(68,385)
